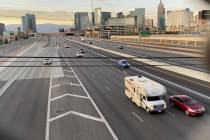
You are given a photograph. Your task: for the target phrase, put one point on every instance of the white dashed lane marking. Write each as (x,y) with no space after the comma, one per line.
(107,88)
(139,118)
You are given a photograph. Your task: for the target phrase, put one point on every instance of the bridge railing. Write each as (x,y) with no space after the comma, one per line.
(172,41)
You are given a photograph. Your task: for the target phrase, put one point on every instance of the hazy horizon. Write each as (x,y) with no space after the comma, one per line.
(46,10)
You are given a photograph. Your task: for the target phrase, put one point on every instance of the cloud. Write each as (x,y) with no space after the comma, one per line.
(56,17)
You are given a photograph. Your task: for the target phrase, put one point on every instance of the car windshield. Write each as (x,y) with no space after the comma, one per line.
(190,101)
(155,98)
(124,62)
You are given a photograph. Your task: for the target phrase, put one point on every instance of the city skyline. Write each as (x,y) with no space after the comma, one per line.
(67,7)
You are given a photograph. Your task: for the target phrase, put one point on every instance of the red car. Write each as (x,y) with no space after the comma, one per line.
(187,104)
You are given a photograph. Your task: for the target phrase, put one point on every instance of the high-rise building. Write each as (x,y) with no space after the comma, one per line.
(81,20)
(97,16)
(105,17)
(29,23)
(149,24)
(91,18)
(119,26)
(127,21)
(120,15)
(101,18)
(178,21)
(161,16)
(139,13)
(2,28)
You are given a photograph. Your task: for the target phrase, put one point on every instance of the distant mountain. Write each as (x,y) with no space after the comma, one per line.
(12,27)
(44,28)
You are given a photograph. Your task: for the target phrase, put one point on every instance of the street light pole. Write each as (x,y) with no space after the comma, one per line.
(2,46)
(92,19)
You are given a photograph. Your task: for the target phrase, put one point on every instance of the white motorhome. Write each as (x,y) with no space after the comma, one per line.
(145,93)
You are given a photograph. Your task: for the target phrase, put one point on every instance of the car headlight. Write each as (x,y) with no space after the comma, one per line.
(165,106)
(191,110)
(203,109)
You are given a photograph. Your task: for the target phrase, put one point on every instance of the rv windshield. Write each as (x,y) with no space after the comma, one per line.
(155,98)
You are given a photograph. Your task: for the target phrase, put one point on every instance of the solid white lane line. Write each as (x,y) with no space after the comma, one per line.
(161,79)
(171,114)
(67,84)
(79,85)
(69,76)
(54,86)
(139,118)
(9,82)
(94,104)
(107,88)
(67,70)
(48,108)
(68,94)
(77,114)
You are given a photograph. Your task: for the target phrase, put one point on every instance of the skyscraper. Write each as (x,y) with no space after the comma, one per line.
(81,20)
(178,21)
(97,16)
(105,17)
(161,16)
(2,28)
(120,15)
(101,18)
(139,13)
(29,23)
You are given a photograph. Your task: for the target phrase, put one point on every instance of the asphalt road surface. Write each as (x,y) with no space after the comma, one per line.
(127,120)
(23,95)
(173,57)
(83,98)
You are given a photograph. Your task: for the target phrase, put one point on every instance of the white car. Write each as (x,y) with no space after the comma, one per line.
(79,54)
(47,61)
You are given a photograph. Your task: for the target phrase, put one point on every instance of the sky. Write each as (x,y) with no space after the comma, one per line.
(62,9)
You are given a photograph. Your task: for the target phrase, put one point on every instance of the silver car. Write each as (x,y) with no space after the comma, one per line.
(47,61)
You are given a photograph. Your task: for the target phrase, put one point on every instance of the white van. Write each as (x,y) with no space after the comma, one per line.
(145,93)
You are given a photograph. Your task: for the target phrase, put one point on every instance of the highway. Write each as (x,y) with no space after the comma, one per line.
(181,58)
(128,121)
(83,98)
(23,95)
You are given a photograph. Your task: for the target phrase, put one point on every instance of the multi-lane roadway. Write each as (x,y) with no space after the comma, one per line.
(105,83)
(186,57)
(83,98)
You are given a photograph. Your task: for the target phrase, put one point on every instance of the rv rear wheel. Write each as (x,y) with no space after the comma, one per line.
(131,100)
